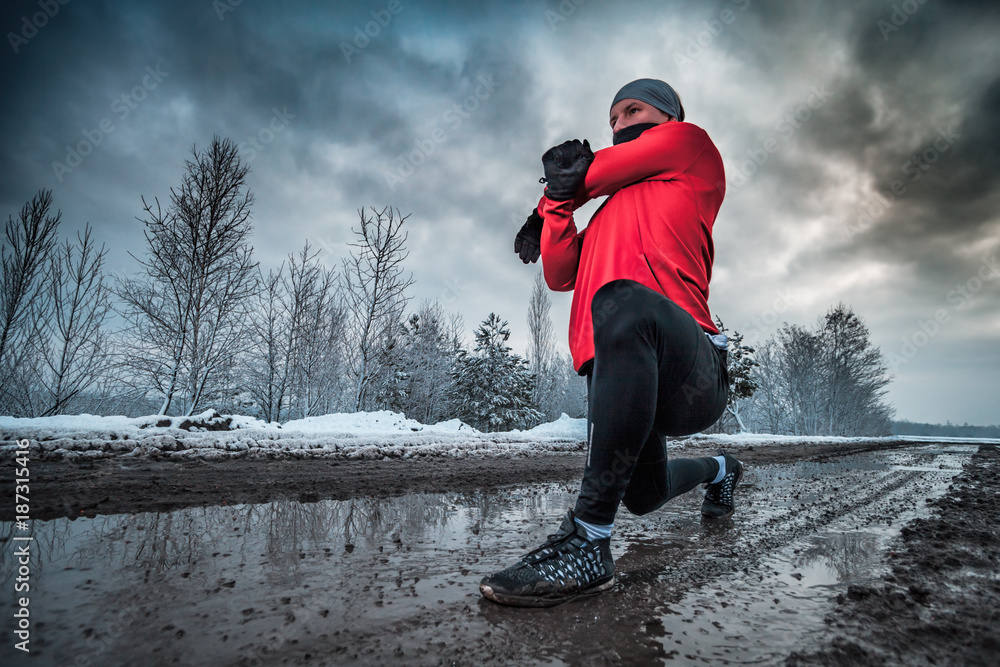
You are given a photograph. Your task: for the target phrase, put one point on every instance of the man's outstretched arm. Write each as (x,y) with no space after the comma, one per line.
(662,152)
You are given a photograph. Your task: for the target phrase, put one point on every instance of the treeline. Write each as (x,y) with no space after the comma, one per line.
(948,430)
(201,325)
(824,380)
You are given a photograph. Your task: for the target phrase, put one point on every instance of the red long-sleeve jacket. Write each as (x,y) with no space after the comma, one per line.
(665,187)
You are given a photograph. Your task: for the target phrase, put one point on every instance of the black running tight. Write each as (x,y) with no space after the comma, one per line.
(655,374)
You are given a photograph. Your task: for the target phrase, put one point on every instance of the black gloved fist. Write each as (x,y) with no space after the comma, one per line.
(528,242)
(565,167)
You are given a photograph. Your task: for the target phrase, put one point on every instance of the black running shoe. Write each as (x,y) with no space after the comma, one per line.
(719,502)
(566,567)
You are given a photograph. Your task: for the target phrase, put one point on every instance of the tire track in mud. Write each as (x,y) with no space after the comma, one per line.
(740,544)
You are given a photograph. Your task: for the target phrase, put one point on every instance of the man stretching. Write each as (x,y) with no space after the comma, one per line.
(640,330)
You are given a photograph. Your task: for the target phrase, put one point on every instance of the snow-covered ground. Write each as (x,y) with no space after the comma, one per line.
(362,435)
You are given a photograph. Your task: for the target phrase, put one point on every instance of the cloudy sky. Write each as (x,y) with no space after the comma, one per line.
(861,143)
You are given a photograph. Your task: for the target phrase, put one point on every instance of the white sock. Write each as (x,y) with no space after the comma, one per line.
(722,469)
(594,532)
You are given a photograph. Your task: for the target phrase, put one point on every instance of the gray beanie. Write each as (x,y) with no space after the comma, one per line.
(654,92)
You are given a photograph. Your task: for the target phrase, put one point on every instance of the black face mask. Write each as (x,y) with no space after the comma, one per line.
(631,132)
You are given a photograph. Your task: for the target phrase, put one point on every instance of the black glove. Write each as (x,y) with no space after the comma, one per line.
(566,166)
(528,242)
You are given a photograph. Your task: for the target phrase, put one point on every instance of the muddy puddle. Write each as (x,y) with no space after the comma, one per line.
(395,580)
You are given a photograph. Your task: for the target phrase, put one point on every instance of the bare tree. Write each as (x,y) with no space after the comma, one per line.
(74,350)
(375,296)
(541,349)
(828,381)
(569,389)
(267,363)
(28,245)
(540,344)
(317,318)
(294,364)
(768,406)
(188,312)
(856,377)
(802,374)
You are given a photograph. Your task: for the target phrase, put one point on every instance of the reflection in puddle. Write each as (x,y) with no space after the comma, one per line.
(841,558)
(251,580)
(759,616)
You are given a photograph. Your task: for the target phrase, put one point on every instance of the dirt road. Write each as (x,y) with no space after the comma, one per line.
(317,562)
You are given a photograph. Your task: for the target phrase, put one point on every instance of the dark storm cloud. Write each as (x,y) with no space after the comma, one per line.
(913,110)
(920,69)
(917,110)
(231,72)
(236,70)
(55,81)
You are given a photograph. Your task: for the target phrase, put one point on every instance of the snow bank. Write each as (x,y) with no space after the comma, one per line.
(362,435)
(210,436)
(564,427)
(372,423)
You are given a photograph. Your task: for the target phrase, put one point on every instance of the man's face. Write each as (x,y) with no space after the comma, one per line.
(632,112)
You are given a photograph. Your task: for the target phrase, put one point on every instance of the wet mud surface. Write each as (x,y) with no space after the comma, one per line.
(940,602)
(252,563)
(129,485)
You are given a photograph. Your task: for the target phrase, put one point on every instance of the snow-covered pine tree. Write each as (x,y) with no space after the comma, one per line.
(427,358)
(492,386)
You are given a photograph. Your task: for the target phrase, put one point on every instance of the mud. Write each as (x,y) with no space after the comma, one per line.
(115,486)
(129,485)
(940,603)
(312,562)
